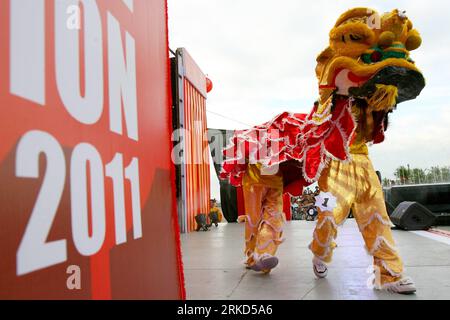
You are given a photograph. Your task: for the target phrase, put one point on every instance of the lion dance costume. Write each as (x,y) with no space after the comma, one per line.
(364,73)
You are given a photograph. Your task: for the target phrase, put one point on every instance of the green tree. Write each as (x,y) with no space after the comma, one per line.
(403,174)
(446,174)
(406,175)
(418,176)
(434,175)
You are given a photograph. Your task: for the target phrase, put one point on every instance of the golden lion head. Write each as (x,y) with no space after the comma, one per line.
(369,58)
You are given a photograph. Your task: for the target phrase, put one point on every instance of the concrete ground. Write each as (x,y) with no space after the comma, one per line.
(214,270)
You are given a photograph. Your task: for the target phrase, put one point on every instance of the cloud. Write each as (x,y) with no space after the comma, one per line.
(420,139)
(260,55)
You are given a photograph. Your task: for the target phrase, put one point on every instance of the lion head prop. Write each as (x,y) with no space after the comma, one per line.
(363,74)
(369,58)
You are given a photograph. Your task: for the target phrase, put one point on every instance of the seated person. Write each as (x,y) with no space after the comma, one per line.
(215,213)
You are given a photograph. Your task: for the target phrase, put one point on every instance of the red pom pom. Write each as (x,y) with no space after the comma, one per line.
(209,85)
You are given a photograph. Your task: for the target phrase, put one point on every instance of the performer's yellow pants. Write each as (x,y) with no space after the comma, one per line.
(356,186)
(264,220)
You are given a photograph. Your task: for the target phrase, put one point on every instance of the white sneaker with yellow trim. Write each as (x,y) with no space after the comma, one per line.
(404,286)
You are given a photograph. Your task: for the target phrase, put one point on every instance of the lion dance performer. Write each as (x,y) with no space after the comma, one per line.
(363,75)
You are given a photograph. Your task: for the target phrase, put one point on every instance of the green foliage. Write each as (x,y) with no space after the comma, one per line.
(407,175)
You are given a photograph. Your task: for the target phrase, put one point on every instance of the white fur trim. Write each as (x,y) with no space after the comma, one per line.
(376,216)
(250,222)
(275,241)
(388,269)
(324,220)
(377,245)
(280,229)
(321,244)
(322,257)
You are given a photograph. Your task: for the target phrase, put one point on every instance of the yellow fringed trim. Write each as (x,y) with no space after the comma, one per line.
(384,98)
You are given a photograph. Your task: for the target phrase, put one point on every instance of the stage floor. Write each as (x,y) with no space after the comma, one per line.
(213,266)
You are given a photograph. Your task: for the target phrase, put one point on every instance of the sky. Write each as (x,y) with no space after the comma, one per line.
(260,56)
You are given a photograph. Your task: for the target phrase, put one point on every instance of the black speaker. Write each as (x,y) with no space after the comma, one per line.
(412,216)
(435,197)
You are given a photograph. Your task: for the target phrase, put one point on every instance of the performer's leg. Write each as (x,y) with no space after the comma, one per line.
(270,230)
(253,200)
(337,180)
(375,225)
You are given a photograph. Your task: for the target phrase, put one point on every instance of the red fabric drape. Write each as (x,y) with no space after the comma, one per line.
(287,206)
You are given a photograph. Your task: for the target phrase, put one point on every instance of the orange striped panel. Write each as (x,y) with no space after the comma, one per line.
(197,151)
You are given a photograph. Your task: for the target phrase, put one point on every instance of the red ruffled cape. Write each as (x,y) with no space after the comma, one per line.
(301,144)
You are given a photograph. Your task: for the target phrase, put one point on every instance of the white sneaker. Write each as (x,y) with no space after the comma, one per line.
(403,286)
(320,268)
(264,264)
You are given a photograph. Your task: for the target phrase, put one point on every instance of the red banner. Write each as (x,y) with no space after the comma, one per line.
(86,199)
